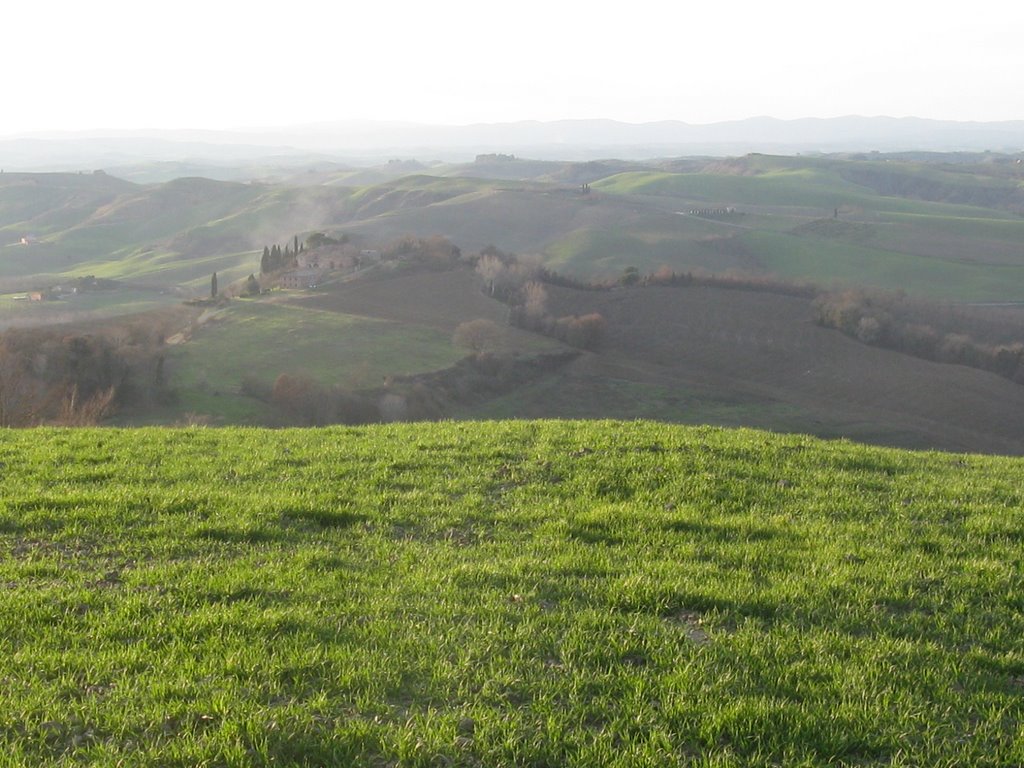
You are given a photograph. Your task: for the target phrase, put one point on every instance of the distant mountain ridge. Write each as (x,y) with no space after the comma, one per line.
(562,139)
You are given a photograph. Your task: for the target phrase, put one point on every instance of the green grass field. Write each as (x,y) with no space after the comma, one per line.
(84,307)
(933,248)
(506,593)
(827,262)
(263,340)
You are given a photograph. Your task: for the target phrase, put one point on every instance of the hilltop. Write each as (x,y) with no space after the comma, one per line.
(530,593)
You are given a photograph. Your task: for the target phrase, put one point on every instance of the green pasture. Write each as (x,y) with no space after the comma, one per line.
(593,253)
(980,225)
(261,340)
(83,307)
(804,188)
(169,268)
(833,262)
(506,593)
(891,249)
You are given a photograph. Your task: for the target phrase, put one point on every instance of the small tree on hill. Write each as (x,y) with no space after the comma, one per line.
(477,335)
(535,300)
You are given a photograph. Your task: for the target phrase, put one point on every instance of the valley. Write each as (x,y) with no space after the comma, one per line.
(944,228)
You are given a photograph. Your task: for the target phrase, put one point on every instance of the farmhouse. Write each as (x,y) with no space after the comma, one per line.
(301,278)
(714,212)
(343,257)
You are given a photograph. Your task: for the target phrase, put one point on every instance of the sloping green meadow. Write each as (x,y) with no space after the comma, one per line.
(508,593)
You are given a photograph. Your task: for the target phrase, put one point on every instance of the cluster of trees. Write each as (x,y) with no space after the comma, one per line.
(434,251)
(274,259)
(520,283)
(530,312)
(252,286)
(480,335)
(304,401)
(309,403)
(923,329)
(733,280)
(320,239)
(503,275)
(51,376)
(581,331)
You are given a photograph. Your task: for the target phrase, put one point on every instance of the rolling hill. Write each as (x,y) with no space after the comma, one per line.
(939,226)
(695,354)
(947,227)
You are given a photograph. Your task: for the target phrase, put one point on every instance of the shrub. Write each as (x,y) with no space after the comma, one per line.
(477,335)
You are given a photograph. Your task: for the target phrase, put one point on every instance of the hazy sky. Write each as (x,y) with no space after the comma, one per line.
(228,64)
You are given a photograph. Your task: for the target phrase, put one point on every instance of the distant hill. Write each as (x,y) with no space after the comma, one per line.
(941,225)
(163,235)
(557,140)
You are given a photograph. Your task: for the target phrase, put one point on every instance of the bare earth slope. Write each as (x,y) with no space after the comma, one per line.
(764,348)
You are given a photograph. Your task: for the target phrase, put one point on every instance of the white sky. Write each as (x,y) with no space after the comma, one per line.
(229,64)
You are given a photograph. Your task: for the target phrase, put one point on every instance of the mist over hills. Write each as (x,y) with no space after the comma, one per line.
(371,141)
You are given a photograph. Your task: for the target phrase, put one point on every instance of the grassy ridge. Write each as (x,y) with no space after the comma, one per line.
(516,593)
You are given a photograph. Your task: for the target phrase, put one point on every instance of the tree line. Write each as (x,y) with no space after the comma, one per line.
(520,282)
(54,376)
(274,259)
(301,400)
(929,330)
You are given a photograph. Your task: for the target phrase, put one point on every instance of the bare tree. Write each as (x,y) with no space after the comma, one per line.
(490,268)
(478,335)
(535,300)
